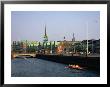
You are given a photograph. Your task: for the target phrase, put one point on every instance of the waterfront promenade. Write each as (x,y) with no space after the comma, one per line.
(14,55)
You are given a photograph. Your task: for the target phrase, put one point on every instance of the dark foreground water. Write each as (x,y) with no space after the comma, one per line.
(34,67)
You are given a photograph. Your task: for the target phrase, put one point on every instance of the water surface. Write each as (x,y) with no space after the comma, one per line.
(34,67)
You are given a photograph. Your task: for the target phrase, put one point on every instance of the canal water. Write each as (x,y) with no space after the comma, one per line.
(33,67)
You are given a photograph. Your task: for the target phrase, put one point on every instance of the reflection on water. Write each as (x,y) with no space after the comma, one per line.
(34,67)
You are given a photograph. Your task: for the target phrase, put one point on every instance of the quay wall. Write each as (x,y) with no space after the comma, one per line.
(92,63)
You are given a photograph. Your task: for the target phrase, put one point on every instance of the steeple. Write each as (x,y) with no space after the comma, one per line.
(45,35)
(73,39)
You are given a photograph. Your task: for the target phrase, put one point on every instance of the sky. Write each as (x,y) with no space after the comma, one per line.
(30,25)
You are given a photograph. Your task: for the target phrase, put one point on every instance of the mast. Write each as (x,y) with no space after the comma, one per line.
(45,31)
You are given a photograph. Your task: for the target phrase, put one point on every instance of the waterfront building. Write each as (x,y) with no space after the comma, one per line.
(93,45)
(56,47)
(16,46)
(67,47)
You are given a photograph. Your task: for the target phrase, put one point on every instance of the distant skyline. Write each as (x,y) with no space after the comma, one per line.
(30,25)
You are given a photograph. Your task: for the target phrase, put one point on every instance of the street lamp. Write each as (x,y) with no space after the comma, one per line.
(51,47)
(74,48)
(92,46)
(87,37)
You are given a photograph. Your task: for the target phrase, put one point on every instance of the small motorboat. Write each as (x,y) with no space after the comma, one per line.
(75,67)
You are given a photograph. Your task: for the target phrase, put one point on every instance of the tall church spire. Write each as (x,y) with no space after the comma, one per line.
(45,35)
(73,39)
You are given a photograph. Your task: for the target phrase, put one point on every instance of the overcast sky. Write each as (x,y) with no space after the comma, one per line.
(30,25)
